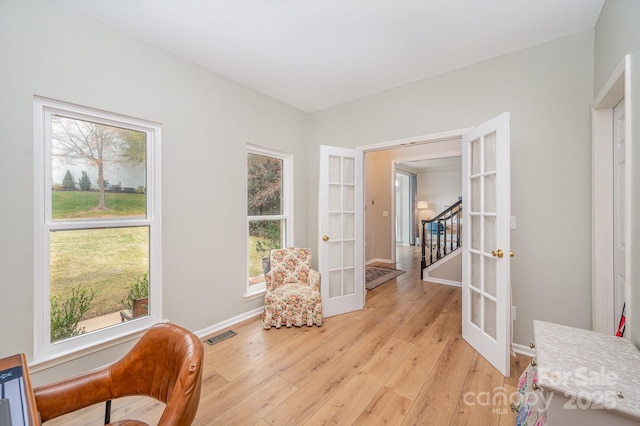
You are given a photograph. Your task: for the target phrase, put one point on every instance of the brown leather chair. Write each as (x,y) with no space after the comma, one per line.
(165,364)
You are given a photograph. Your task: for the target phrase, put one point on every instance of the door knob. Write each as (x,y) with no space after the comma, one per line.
(325,238)
(511,254)
(497,253)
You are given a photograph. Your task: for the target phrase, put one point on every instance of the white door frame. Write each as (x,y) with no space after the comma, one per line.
(407,142)
(616,88)
(394,201)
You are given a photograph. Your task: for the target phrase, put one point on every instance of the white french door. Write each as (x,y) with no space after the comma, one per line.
(341,226)
(486,292)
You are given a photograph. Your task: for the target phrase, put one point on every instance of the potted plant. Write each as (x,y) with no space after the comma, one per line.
(137,301)
(264,247)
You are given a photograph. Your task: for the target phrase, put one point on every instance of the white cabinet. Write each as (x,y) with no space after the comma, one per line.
(584,377)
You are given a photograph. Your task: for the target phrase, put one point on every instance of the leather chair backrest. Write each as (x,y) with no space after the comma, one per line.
(165,364)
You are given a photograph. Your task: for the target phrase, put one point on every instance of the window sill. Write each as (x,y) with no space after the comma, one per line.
(46,362)
(255,294)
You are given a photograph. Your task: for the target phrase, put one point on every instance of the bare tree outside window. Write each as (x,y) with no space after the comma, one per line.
(84,143)
(264,185)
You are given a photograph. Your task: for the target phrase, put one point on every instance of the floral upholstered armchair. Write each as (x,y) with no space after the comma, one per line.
(293,290)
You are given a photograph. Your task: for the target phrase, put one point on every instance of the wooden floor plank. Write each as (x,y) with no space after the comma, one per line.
(328,380)
(253,407)
(438,398)
(344,407)
(483,407)
(410,377)
(386,408)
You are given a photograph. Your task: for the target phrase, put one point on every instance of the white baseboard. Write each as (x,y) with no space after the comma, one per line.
(228,323)
(368,262)
(524,350)
(442,281)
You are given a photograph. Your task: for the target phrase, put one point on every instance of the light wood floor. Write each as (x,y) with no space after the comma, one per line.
(399,361)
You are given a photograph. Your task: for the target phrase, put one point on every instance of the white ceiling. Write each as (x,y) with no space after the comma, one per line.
(314,54)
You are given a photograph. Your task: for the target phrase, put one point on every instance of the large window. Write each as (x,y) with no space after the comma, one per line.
(97,233)
(268,210)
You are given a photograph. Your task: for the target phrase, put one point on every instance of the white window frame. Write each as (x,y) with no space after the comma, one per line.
(257,290)
(44,350)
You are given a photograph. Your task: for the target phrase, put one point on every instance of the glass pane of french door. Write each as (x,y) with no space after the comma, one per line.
(341,229)
(483,230)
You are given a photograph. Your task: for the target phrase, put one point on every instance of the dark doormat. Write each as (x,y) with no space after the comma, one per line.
(375,275)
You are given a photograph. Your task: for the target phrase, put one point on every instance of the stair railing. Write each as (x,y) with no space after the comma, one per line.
(442,235)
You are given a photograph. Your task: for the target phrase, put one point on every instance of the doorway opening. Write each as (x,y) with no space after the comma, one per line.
(385,221)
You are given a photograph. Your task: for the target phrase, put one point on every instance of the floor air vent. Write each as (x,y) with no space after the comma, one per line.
(220,337)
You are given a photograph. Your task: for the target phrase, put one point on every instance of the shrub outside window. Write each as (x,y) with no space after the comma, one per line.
(268,210)
(97,233)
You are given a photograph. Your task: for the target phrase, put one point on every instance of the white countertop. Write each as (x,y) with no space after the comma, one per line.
(594,369)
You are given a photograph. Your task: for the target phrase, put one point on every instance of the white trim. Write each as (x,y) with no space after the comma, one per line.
(47,353)
(392,228)
(368,262)
(613,90)
(616,88)
(255,294)
(524,350)
(417,140)
(46,363)
(203,332)
(443,281)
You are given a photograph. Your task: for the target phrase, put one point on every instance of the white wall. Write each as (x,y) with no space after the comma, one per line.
(439,188)
(617,33)
(548,90)
(207,120)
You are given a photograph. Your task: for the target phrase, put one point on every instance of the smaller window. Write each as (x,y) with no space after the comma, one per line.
(269,209)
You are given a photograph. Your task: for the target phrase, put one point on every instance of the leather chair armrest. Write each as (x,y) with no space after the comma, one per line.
(72,394)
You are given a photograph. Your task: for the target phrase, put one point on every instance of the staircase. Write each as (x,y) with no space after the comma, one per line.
(441,236)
